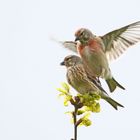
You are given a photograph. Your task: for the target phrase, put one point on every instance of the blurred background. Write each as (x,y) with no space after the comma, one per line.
(30,70)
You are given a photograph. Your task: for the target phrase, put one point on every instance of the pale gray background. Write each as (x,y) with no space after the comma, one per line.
(30,71)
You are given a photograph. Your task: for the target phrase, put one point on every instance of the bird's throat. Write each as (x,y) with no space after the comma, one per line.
(80,48)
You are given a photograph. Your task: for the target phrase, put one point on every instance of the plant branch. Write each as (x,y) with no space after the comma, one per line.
(77,104)
(75,122)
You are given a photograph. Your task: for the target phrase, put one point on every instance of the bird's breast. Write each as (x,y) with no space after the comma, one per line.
(80,48)
(78,80)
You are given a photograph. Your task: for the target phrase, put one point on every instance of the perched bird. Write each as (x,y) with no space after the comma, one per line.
(78,79)
(97,50)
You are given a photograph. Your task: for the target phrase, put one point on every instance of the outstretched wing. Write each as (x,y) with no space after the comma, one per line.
(71,45)
(117,41)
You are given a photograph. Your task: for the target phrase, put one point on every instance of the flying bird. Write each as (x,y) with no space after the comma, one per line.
(115,42)
(78,79)
(96,51)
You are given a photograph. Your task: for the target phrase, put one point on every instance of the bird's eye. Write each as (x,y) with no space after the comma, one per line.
(68,59)
(69,62)
(82,33)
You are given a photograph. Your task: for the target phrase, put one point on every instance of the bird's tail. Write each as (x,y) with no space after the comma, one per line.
(112,84)
(113,103)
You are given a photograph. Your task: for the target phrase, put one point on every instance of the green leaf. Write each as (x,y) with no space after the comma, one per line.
(98,109)
(62,90)
(79,112)
(69,112)
(85,120)
(89,102)
(67,98)
(66,87)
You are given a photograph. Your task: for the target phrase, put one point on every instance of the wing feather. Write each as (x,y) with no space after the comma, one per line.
(117,41)
(71,45)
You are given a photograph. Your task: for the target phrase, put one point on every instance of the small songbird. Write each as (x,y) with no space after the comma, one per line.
(96,51)
(78,79)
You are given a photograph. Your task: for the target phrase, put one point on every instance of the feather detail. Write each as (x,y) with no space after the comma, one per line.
(117,41)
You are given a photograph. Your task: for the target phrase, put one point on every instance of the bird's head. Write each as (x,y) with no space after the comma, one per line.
(71,60)
(83,35)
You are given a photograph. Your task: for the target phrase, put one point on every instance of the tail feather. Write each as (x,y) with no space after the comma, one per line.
(113,103)
(112,84)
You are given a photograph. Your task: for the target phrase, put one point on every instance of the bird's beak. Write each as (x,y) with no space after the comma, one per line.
(62,63)
(77,38)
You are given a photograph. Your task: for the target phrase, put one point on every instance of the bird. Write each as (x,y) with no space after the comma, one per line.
(78,79)
(97,51)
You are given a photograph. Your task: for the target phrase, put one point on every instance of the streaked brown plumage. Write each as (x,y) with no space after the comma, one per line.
(78,79)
